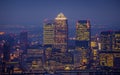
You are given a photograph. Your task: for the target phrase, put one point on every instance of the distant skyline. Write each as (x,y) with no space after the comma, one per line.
(33,12)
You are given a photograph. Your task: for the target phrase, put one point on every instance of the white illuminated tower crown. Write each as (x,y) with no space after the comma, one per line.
(60,17)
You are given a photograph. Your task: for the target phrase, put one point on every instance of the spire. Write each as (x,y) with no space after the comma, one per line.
(60,16)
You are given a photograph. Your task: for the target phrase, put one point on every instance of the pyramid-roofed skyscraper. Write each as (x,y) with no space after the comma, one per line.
(61,33)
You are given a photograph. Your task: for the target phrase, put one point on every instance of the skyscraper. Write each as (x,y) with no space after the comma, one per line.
(6,52)
(107,40)
(48,33)
(23,37)
(109,54)
(24,40)
(61,33)
(83,34)
(83,40)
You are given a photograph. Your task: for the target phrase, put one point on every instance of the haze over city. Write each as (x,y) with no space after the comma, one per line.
(59,37)
(17,15)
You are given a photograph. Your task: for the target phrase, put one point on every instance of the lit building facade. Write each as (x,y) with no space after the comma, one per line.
(117,40)
(110,40)
(110,59)
(107,40)
(35,60)
(61,33)
(83,34)
(109,55)
(94,58)
(83,40)
(48,33)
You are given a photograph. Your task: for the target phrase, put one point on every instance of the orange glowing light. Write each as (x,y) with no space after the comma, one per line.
(1,33)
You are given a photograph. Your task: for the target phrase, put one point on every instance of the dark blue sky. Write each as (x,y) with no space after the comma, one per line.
(100,12)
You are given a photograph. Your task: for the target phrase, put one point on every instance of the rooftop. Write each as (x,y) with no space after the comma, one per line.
(60,16)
